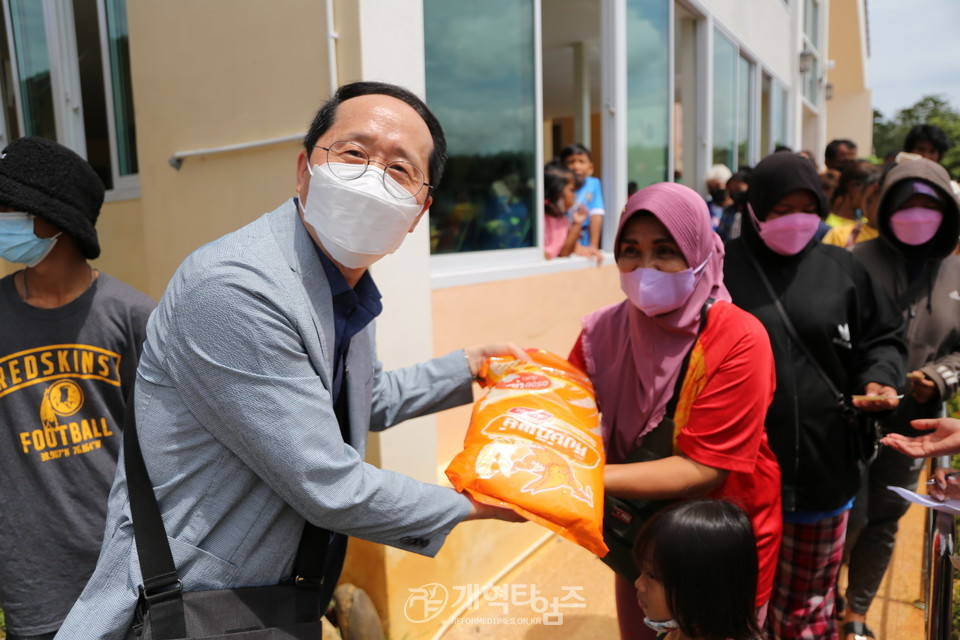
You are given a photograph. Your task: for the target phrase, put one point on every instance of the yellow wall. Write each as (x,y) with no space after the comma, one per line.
(206,74)
(850,111)
(120,230)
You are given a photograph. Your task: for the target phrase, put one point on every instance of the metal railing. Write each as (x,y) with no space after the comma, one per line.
(938,567)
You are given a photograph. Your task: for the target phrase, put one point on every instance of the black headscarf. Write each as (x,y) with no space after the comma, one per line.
(779,174)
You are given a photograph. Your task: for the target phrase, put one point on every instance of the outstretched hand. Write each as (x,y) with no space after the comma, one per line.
(944,439)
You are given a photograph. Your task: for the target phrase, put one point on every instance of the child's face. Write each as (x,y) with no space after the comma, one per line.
(651,595)
(580,164)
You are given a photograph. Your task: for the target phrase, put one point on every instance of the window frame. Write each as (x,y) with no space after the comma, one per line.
(60,31)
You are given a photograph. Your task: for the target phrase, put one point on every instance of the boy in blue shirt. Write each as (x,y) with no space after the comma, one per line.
(576,157)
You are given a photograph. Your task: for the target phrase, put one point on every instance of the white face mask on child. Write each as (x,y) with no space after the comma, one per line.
(661,626)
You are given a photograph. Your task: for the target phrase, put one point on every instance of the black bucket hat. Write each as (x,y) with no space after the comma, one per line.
(46,179)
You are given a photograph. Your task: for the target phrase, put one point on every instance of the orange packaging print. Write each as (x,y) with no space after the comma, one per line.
(534,446)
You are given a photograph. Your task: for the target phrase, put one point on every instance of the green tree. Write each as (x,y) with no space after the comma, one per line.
(888,135)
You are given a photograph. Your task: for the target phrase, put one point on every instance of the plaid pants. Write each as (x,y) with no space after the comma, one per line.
(803,603)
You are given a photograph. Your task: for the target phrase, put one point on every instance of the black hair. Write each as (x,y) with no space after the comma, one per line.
(325,116)
(930,133)
(704,553)
(742,174)
(574,149)
(834,147)
(855,174)
(555,178)
(782,148)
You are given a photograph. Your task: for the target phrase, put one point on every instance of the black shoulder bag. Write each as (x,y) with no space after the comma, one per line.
(290,610)
(624,517)
(863,429)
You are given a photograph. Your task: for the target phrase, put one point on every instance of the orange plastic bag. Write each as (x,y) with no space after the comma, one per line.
(534,446)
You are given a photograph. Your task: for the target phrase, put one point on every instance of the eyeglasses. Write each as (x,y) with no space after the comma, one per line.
(349,161)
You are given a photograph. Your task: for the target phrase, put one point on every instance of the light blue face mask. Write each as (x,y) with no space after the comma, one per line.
(19,244)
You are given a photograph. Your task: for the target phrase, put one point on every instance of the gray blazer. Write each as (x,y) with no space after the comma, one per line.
(238,431)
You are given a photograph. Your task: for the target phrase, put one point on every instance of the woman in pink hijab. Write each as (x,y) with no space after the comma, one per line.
(671,270)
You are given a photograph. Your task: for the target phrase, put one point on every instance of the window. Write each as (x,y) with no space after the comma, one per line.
(773,115)
(648,94)
(66,76)
(745,132)
(810,77)
(481,84)
(724,101)
(732,99)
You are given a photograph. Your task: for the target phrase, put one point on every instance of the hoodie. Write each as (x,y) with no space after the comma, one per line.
(925,282)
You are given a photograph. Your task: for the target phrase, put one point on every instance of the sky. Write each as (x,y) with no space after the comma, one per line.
(914,51)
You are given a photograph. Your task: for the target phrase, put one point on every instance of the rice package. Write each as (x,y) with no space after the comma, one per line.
(534,446)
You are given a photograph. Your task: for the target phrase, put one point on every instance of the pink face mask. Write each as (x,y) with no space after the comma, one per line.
(788,234)
(916,225)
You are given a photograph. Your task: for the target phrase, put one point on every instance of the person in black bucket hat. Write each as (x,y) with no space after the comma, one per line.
(70,341)
(47,180)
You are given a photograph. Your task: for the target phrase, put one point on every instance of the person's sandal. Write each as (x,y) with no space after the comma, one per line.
(860,630)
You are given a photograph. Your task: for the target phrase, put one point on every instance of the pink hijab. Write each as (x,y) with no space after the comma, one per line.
(633,359)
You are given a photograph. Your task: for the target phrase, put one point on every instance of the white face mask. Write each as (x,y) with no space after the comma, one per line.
(357,221)
(661,626)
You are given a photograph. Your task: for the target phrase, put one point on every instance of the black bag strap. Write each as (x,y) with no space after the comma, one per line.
(792,332)
(162,588)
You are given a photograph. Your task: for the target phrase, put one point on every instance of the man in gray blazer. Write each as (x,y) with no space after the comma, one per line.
(259,380)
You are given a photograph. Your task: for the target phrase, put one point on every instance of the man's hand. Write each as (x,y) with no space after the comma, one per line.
(878,397)
(923,388)
(478,353)
(943,440)
(481,511)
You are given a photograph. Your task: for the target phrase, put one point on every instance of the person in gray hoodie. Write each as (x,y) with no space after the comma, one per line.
(919,223)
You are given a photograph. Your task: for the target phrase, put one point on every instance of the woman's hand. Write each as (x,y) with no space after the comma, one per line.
(942,441)
(878,397)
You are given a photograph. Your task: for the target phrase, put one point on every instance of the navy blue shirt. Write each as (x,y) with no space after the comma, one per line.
(353,309)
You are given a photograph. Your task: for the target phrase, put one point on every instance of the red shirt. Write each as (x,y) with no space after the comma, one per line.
(720,413)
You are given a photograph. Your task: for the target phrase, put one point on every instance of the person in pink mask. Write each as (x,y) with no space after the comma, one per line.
(835,334)
(919,221)
(682,374)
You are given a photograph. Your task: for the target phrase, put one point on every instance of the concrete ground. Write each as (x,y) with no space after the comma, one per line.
(559,568)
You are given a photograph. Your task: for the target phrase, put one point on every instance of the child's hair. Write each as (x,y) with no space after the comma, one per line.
(555,178)
(574,149)
(704,553)
(856,173)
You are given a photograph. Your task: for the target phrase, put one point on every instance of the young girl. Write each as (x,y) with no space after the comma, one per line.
(560,233)
(698,580)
